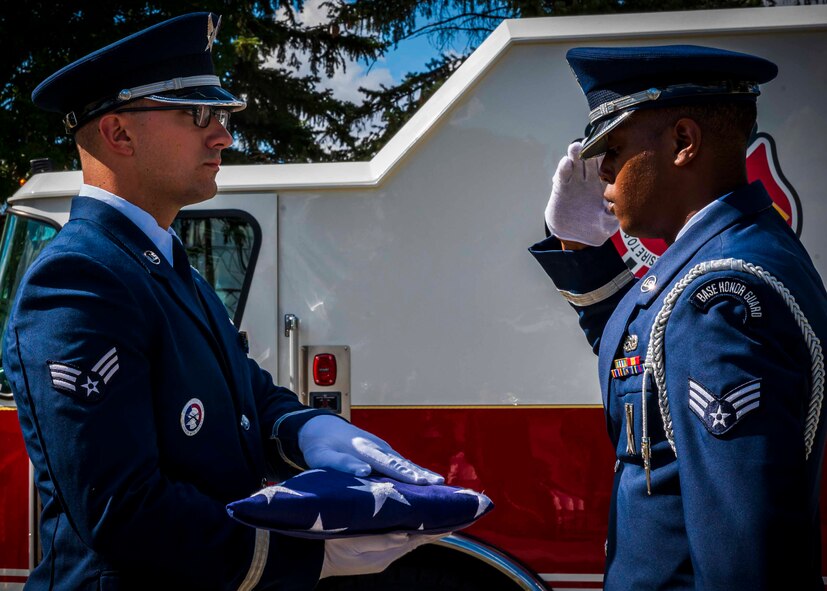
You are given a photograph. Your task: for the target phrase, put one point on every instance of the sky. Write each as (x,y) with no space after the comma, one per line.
(410,56)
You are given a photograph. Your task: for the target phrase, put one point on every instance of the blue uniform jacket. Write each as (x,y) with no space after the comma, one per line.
(735,506)
(143,417)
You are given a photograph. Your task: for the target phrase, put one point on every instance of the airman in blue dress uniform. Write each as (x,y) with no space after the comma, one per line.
(710,365)
(141,412)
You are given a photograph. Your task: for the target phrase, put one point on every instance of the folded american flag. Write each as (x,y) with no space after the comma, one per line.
(330,504)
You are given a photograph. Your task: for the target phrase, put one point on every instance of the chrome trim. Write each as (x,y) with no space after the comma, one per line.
(14,572)
(34,521)
(291,331)
(494,558)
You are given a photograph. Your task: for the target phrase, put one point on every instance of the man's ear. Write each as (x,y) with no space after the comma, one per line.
(114,134)
(686,136)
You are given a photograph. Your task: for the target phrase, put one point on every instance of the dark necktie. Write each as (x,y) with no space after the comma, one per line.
(181,264)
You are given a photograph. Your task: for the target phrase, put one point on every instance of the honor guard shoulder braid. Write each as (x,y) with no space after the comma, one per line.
(169,63)
(746,393)
(620,80)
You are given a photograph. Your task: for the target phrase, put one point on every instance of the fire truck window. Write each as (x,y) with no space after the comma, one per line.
(23,239)
(223,247)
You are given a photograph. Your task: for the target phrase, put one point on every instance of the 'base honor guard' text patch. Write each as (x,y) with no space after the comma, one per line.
(727,287)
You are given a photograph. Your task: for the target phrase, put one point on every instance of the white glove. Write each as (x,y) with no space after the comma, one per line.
(368,554)
(576,209)
(330,442)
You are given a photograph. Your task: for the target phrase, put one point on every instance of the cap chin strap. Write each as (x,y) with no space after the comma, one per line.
(624,102)
(668,92)
(129,94)
(72,120)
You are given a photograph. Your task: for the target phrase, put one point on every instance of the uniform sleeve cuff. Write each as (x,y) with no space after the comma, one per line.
(284,562)
(285,435)
(583,277)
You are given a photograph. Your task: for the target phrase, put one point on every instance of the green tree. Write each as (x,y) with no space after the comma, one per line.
(290,117)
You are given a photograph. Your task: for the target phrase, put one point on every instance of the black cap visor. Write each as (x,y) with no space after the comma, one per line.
(596,142)
(213,96)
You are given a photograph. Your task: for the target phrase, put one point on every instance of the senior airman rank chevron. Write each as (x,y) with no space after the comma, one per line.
(719,415)
(330,504)
(87,386)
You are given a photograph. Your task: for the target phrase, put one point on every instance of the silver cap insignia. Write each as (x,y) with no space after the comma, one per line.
(212,31)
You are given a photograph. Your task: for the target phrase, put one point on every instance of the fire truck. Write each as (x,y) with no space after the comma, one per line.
(399,292)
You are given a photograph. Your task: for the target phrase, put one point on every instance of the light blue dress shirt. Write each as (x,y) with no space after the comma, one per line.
(697,218)
(161,238)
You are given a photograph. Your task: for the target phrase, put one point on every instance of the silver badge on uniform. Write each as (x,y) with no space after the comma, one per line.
(719,415)
(86,386)
(192,417)
(152,257)
(630,343)
(649,284)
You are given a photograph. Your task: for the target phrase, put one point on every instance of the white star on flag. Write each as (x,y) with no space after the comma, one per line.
(482,500)
(381,491)
(306,472)
(272,491)
(318,527)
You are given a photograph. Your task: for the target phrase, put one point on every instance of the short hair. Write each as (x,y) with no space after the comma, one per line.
(725,122)
(86,135)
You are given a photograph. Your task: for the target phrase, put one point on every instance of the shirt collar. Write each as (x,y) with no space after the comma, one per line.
(161,238)
(697,217)
(722,213)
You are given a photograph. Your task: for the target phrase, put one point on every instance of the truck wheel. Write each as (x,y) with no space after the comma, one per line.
(428,568)
(401,578)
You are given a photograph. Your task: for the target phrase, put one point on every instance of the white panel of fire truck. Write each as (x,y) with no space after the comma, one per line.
(427,277)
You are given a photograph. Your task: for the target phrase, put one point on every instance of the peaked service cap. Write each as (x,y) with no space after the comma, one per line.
(170,62)
(620,80)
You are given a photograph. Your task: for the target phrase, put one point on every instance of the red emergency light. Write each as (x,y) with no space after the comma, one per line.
(324,369)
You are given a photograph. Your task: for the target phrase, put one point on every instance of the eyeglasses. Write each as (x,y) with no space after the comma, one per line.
(201,114)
